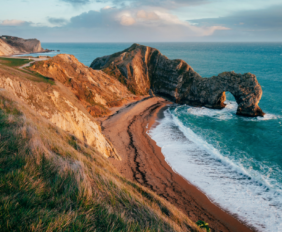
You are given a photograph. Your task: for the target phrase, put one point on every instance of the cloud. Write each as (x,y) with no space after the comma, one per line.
(170,4)
(57,21)
(13,22)
(127,20)
(107,7)
(141,23)
(77,2)
(252,25)
(95,19)
(263,19)
(147,20)
(142,14)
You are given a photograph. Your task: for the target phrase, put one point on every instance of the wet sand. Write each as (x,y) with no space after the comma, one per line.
(143,162)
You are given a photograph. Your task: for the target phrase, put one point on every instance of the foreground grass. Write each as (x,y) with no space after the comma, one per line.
(50,181)
(14,62)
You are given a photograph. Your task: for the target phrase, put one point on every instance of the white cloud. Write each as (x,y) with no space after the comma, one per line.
(107,7)
(168,20)
(13,22)
(142,14)
(127,20)
(143,20)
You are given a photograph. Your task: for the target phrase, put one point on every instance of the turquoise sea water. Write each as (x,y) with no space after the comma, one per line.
(236,161)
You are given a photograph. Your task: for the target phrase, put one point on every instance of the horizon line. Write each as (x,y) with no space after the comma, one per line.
(174,42)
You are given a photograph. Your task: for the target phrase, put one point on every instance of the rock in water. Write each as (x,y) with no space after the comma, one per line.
(142,68)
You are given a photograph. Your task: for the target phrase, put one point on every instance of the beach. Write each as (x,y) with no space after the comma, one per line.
(143,162)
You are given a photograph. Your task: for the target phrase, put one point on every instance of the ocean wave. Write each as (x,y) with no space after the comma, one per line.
(236,188)
(223,114)
(227,113)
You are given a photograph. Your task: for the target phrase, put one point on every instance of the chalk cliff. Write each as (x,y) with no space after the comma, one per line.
(10,45)
(6,49)
(142,68)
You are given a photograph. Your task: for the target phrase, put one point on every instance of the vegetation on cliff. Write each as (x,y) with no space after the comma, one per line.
(14,62)
(96,90)
(52,181)
(54,172)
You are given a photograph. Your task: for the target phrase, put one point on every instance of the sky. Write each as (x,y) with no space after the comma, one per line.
(143,20)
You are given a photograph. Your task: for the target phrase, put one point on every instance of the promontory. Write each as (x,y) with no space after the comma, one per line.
(144,68)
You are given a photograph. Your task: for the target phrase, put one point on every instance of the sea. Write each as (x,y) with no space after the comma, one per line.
(236,161)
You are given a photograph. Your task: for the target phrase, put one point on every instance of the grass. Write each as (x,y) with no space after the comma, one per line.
(14,62)
(38,76)
(33,76)
(203,225)
(51,181)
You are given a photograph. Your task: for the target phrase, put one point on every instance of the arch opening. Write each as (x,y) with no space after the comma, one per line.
(222,99)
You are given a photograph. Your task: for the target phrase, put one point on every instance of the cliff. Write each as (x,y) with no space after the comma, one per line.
(10,45)
(142,68)
(96,90)
(54,102)
(51,180)
(6,49)
(53,161)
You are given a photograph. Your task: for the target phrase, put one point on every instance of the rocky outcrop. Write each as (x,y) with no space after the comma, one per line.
(58,105)
(142,68)
(13,45)
(6,49)
(96,90)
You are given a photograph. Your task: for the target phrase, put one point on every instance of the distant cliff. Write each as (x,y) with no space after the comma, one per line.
(142,68)
(10,45)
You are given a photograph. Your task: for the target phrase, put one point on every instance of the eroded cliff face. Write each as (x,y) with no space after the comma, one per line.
(6,49)
(13,45)
(58,105)
(96,90)
(143,68)
(130,67)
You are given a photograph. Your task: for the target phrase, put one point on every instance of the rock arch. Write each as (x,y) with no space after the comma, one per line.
(143,68)
(210,92)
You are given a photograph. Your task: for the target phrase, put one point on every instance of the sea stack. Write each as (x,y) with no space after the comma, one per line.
(142,68)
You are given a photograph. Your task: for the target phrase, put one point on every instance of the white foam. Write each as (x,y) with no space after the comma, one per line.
(230,185)
(266,117)
(227,113)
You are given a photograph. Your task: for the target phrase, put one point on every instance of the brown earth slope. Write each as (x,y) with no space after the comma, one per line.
(52,181)
(56,103)
(96,90)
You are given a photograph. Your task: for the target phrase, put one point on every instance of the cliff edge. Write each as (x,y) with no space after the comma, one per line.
(142,68)
(96,90)
(10,45)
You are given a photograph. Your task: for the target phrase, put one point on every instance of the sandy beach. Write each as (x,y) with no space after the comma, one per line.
(143,162)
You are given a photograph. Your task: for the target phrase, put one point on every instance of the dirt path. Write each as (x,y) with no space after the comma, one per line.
(32,61)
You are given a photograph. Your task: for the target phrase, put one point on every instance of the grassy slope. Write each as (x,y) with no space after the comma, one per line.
(14,62)
(31,75)
(50,181)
